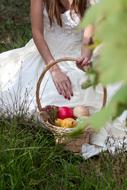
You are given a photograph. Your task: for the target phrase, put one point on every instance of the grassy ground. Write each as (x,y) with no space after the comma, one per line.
(14,24)
(29,158)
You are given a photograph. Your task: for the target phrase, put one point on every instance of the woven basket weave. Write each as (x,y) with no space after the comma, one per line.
(62,134)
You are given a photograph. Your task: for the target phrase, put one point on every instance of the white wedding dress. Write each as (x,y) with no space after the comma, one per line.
(21,68)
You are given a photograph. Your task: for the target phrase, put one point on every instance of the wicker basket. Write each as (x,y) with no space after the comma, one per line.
(62,134)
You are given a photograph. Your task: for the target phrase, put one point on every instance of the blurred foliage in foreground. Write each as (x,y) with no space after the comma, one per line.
(110,18)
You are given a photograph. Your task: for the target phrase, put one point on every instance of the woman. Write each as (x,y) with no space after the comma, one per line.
(55,35)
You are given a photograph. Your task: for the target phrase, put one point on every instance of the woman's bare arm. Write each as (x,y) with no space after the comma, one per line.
(61,80)
(37,7)
(87,38)
(86,53)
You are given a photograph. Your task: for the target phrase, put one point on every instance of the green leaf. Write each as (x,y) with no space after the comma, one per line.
(82,124)
(116,106)
(110,18)
(112,64)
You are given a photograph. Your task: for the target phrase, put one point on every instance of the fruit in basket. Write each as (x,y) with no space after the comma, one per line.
(80,111)
(65,112)
(50,113)
(66,123)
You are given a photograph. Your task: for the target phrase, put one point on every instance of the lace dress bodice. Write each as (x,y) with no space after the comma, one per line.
(63,40)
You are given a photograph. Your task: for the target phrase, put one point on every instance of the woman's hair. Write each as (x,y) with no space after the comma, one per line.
(54,8)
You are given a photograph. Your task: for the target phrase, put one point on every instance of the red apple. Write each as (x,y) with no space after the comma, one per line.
(65,112)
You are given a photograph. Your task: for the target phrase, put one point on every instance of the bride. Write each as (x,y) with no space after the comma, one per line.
(55,35)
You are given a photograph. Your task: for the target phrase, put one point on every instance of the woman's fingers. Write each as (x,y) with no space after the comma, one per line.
(86,65)
(79,60)
(69,85)
(65,89)
(83,62)
(59,89)
(63,84)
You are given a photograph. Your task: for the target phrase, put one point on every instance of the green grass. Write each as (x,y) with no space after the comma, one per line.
(29,158)
(15,28)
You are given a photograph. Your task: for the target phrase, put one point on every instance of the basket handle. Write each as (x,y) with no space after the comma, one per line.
(43,74)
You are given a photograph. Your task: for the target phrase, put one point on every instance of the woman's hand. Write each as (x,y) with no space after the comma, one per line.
(62,83)
(84,62)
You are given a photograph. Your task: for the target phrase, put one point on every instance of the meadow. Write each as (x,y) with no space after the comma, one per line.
(29,158)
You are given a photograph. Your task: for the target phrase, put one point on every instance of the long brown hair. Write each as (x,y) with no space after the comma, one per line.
(54,9)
